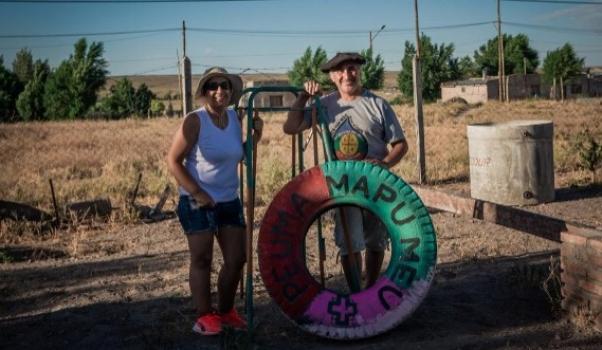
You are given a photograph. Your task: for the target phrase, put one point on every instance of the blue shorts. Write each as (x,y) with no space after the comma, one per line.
(199,220)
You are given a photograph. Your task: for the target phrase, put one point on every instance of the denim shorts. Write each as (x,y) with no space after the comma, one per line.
(199,220)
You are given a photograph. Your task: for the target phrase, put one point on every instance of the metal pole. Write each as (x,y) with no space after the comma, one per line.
(372,37)
(294,156)
(251,176)
(300,151)
(321,243)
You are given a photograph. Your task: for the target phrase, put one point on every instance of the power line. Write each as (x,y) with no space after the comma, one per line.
(62,35)
(559,2)
(237,31)
(291,32)
(157,69)
(553,28)
(117,1)
(330,32)
(71,44)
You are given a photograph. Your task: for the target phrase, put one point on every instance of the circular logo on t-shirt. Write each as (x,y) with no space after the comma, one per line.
(350,145)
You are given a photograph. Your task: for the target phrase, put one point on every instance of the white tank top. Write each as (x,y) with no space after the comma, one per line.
(213,160)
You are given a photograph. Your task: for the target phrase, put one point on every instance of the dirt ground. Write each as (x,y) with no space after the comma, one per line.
(109,286)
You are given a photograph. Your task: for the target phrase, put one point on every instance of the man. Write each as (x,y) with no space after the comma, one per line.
(362,125)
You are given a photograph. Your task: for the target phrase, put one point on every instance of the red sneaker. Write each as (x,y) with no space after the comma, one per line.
(233,319)
(208,324)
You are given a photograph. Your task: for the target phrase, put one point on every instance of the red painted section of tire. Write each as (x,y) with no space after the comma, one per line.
(282,238)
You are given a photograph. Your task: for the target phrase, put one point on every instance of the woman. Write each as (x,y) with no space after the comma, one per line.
(203,158)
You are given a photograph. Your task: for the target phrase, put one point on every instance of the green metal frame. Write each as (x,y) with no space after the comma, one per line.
(249,158)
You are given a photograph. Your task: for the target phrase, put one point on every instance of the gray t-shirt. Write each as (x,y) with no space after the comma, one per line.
(362,127)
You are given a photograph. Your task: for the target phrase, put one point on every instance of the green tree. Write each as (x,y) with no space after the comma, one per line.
(57,95)
(23,65)
(30,103)
(120,102)
(562,64)
(437,65)
(373,72)
(73,87)
(307,67)
(142,99)
(516,50)
(467,68)
(10,87)
(157,107)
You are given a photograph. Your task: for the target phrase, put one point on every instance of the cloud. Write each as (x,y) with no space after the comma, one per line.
(586,16)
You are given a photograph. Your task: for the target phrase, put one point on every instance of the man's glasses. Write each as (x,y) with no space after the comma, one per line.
(211,86)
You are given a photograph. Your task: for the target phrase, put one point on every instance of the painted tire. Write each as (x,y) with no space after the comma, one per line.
(372,311)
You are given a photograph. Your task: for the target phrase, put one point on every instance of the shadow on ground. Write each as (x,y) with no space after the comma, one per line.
(576,192)
(491,304)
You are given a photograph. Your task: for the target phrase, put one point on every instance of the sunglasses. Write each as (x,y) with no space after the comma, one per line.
(211,86)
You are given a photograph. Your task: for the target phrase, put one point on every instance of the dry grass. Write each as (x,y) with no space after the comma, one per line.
(85,159)
(447,144)
(91,159)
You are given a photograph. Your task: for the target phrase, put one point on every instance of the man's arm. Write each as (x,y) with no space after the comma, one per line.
(397,151)
(295,119)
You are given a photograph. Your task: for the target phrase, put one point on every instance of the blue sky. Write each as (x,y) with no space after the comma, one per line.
(155,53)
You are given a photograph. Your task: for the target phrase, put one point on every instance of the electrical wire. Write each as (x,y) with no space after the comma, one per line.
(553,28)
(62,35)
(562,2)
(117,1)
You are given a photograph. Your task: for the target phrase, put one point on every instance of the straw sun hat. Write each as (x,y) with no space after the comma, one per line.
(235,82)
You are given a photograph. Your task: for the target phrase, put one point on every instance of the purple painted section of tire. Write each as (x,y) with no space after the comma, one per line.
(354,310)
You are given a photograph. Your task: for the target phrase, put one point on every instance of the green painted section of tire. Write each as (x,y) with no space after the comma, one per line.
(413,239)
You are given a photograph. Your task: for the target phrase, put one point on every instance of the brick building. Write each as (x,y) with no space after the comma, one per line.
(520,86)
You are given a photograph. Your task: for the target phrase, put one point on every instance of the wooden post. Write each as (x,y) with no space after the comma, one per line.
(417,78)
(500,54)
(135,192)
(561,89)
(180,83)
(187,79)
(419,121)
(57,218)
(507,88)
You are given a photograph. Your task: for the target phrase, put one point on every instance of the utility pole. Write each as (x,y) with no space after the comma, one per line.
(500,53)
(187,78)
(180,80)
(417,77)
(374,37)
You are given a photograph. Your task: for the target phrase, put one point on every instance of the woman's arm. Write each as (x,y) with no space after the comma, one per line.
(183,141)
